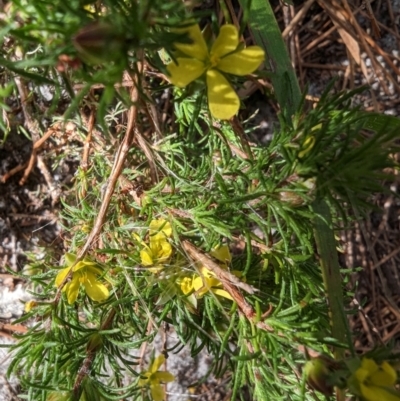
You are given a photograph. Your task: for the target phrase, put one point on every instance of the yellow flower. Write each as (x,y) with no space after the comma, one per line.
(159,250)
(154,378)
(207,281)
(84,272)
(160,229)
(30,305)
(376,383)
(225,56)
(202,284)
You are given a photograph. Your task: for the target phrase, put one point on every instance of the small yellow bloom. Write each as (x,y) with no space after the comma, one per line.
(307,146)
(225,56)
(84,272)
(376,383)
(156,253)
(160,229)
(206,281)
(223,254)
(153,378)
(158,250)
(30,305)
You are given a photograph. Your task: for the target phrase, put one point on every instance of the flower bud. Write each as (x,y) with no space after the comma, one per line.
(30,305)
(318,375)
(99,42)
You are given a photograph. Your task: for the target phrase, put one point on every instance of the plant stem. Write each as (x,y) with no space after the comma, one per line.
(326,246)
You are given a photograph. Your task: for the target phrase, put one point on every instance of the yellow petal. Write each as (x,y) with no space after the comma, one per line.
(30,305)
(61,276)
(165,377)
(204,272)
(86,262)
(242,62)
(186,285)
(157,363)
(79,265)
(201,287)
(222,293)
(72,289)
(307,146)
(222,99)
(198,283)
(389,371)
(186,71)
(70,259)
(146,257)
(158,252)
(385,376)
(213,283)
(361,374)
(157,392)
(222,254)
(198,48)
(164,251)
(226,42)
(375,393)
(160,226)
(94,289)
(369,365)
(94,269)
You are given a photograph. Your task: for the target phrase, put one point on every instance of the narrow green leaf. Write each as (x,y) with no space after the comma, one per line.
(267,34)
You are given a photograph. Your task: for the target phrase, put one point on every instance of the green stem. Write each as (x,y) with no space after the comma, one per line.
(326,246)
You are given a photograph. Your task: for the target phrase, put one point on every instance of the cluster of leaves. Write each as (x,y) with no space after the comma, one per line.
(203,200)
(261,203)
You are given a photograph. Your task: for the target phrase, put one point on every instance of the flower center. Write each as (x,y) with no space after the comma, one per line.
(214,60)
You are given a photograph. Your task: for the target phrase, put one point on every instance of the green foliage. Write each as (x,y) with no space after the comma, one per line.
(4,108)
(207,186)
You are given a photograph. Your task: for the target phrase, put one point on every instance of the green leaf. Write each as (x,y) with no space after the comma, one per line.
(267,34)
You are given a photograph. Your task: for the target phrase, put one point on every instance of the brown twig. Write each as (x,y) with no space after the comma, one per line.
(12,172)
(86,146)
(297,19)
(374,23)
(91,353)
(16,328)
(116,170)
(230,283)
(223,275)
(36,146)
(31,125)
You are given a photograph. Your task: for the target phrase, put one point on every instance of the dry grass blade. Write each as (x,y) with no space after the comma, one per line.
(224,275)
(119,161)
(341,21)
(231,284)
(322,29)
(374,23)
(298,18)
